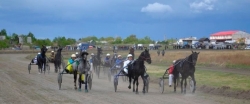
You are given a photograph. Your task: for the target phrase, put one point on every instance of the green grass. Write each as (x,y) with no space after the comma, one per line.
(210,78)
(219,79)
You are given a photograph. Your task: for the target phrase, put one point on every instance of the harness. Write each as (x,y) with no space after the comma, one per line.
(183,60)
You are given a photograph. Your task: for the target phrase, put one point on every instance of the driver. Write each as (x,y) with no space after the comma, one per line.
(170,73)
(107,59)
(69,68)
(125,65)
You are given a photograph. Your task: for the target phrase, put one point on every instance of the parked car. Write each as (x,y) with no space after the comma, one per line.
(247,47)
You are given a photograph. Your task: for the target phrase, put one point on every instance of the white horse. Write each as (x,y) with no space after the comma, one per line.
(82,67)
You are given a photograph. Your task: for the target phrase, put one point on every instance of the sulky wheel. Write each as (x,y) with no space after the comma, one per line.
(29,68)
(89,79)
(115,83)
(98,71)
(59,78)
(191,85)
(48,68)
(161,83)
(109,75)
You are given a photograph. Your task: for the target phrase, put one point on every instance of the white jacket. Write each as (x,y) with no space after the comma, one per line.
(125,65)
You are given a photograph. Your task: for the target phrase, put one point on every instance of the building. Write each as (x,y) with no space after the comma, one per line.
(233,35)
(186,41)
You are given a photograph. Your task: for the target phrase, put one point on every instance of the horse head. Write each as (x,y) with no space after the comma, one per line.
(194,57)
(60,49)
(43,49)
(84,55)
(145,55)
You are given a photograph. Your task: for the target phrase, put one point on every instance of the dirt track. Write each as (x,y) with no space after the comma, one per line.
(19,87)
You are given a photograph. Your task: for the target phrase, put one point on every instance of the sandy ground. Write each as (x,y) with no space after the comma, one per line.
(17,86)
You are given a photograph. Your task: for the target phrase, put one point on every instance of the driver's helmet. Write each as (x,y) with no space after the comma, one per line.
(38,53)
(119,56)
(174,61)
(92,54)
(108,55)
(52,51)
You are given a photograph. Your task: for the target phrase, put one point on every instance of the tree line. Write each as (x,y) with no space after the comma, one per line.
(13,39)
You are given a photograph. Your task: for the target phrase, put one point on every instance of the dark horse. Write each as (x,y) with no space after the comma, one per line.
(41,60)
(58,59)
(137,69)
(97,58)
(81,66)
(113,59)
(131,51)
(186,67)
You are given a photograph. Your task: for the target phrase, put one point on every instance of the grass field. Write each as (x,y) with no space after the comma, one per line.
(239,59)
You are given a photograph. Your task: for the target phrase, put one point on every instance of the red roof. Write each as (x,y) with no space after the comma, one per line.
(225,33)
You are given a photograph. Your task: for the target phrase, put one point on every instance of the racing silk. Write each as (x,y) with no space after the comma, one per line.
(118,61)
(70,67)
(171,69)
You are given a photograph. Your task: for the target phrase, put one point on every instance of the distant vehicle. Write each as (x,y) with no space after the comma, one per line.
(36,47)
(247,47)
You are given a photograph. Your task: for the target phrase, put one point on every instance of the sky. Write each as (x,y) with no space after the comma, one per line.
(158,19)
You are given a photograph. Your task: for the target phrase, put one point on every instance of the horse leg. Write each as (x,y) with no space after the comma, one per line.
(175,83)
(182,84)
(185,85)
(134,85)
(80,82)
(129,86)
(75,77)
(86,83)
(137,83)
(193,78)
(55,66)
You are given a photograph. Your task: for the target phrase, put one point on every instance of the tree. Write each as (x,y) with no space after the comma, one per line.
(145,40)
(89,38)
(131,39)
(109,39)
(40,42)
(62,41)
(4,44)
(4,33)
(14,38)
(33,38)
(118,40)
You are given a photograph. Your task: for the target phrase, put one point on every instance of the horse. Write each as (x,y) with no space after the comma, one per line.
(131,51)
(186,67)
(137,68)
(96,59)
(81,66)
(113,59)
(58,59)
(41,60)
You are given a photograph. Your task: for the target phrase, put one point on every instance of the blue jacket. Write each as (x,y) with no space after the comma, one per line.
(118,61)
(70,61)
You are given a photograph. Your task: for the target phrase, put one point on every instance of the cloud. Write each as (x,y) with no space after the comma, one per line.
(157,8)
(202,5)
